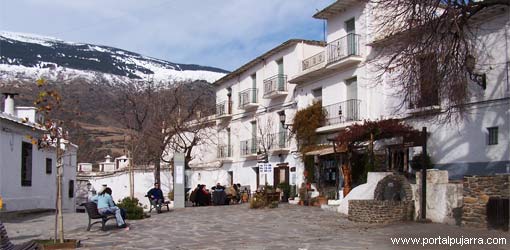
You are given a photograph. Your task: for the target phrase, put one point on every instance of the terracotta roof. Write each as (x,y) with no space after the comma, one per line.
(264,56)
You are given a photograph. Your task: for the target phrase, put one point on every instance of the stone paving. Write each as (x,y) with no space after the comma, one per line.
(238,227)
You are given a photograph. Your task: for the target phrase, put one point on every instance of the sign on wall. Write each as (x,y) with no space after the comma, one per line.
(265,167)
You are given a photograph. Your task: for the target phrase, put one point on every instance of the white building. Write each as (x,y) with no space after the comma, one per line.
(108,165)
(341,77)
(27,173)
(84,167)
(248,127)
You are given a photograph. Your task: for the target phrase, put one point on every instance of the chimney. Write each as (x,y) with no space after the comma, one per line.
(9,103)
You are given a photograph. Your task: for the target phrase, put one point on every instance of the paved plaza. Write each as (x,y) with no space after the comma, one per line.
(238,227)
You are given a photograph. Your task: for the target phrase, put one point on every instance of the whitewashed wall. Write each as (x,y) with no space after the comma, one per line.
(143,181)
(42,193)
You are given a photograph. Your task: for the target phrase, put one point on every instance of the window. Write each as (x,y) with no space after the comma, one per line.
(26,164)
(492,138)
(426,92)
(71,188)
(49,165)
(317,94)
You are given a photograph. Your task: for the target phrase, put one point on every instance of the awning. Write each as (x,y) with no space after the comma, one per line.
(328,150)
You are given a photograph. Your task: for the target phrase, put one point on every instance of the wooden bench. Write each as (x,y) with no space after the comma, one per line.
(5,243)
(165,203)
(93,213)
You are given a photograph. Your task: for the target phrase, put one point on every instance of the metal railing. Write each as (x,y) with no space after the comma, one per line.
(343,112)
(343,47)
(274,84)
(279,141)
(247,96)
(224,108)
(249,147)
(313,60)
(224,151)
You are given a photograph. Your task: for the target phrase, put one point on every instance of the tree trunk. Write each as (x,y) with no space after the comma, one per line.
(60,171)
(346,171)
(157,171)
(131,177)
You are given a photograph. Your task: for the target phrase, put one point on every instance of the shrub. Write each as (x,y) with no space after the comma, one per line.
(133,210)
(292,192)
(418,162)
(258,201)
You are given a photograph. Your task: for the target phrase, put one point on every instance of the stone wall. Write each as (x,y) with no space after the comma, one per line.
(444,199)
(376,211)
(477,191)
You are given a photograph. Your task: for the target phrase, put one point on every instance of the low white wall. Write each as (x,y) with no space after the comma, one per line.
(442,196)
(362,192)
(143,181)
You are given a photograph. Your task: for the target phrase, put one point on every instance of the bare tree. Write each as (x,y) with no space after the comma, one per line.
(267,134)
(428,47)
(164,115)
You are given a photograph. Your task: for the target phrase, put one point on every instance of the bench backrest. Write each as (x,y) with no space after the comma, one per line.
(5,243)
(91,208)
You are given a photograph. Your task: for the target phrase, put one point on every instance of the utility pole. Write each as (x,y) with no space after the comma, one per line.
(424,175)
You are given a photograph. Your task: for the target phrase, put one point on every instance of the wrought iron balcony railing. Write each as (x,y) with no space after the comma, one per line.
(224,108)
(224,151)
(343,47)
(249,147)
(343,112)
(247,97)
(313,60)
(279,141)
(275,85)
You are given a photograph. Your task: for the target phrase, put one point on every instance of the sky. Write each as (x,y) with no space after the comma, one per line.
(218,33)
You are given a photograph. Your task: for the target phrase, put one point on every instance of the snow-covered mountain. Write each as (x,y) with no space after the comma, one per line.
(28,56)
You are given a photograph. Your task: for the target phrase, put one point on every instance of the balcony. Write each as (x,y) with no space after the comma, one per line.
(275,86)
(248,99)
(314,61)
(224,152)
(279,143)
(341,53)
(224,110)
(344,51)
(340,113)
(249,148)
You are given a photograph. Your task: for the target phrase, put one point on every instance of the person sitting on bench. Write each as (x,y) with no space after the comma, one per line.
(105,205)
(156,197)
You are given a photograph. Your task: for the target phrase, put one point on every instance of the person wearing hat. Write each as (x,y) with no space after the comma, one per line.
(156,197)
(105,205)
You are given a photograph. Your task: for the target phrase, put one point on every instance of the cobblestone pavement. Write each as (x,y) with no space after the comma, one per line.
(238,227)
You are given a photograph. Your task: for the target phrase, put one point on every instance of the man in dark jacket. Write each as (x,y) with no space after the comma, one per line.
(156,197)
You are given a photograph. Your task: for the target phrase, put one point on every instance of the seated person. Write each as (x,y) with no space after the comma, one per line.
(231,194)
(218,187)
(193,195)
(156,197)
(105,205)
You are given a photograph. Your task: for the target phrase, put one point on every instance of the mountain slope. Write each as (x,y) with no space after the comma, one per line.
(31,56)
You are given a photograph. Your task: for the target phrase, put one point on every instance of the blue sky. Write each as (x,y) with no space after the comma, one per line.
(219,33)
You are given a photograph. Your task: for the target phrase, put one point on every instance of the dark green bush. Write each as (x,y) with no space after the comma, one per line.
(133,210)
(418,162)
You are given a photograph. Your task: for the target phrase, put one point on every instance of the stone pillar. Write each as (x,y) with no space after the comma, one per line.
(179,180)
